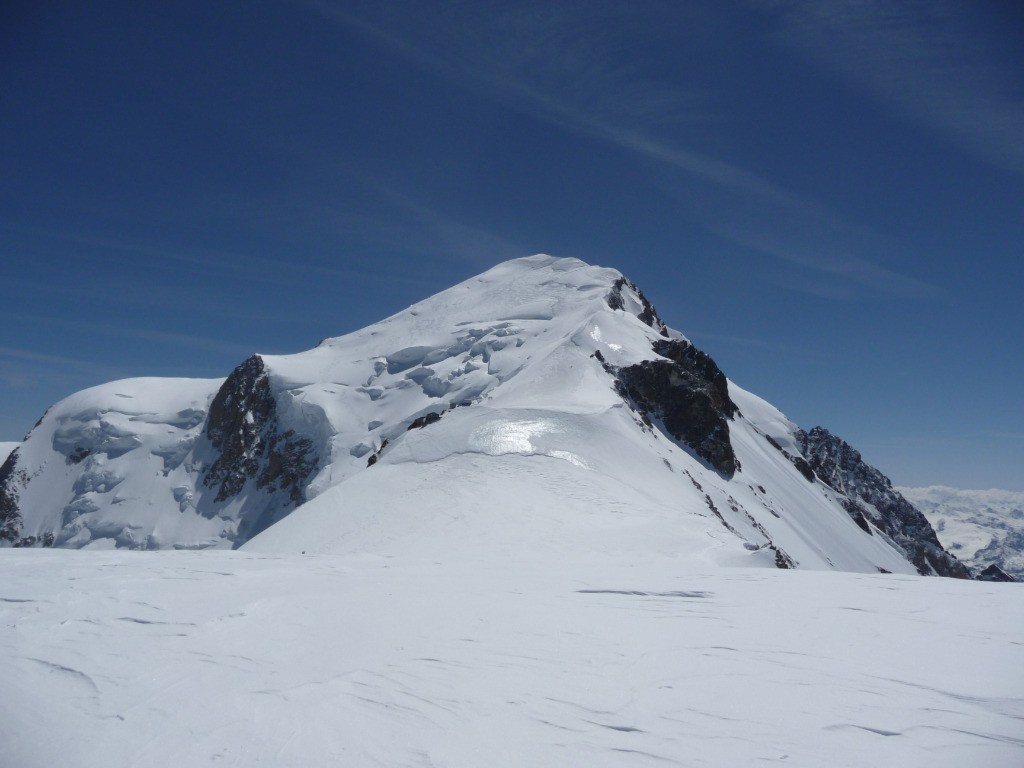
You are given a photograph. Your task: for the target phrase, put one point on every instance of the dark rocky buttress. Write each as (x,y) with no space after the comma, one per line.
(841,468)
(243,428)
(688,392)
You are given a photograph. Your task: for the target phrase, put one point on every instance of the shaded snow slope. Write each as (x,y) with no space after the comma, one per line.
(119,659)
(544,398)
(983,528)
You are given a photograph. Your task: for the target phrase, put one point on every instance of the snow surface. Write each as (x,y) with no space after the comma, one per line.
(981,528)
(472,658)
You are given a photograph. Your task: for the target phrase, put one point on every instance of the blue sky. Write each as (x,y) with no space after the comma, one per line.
(828,197)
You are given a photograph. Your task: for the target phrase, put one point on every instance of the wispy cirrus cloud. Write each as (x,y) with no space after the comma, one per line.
(30,356)
(931,60)
(110,330)
(24,369)
(563,63)
(473,245)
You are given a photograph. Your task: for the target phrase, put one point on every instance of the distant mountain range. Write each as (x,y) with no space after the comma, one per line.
(542,404)
(983,528)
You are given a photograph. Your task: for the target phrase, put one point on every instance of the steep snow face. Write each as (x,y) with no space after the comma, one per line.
(983,528)
(543,403)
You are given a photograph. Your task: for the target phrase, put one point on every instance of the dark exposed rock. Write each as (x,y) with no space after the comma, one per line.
(782,560)
(11,479)
(647,314)
(376,456)
(78,455)
(802,466)
(291,458)
(841,467)
(425,420)
(242,426)
(798,461)
(853,509)
(689,394)
(994,573)
(716,512)
(239,414)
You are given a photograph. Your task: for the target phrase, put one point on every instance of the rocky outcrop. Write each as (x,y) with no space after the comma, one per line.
(798,461)
(646,312)
(243,429)
(994,573)
(874,500)
(688,393)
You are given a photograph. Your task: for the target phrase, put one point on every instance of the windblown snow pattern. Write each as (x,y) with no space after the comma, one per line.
(504,657)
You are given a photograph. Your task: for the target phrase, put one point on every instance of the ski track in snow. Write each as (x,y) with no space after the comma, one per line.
(238,659)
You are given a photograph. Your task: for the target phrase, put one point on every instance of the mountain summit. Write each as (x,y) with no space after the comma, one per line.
(543,404)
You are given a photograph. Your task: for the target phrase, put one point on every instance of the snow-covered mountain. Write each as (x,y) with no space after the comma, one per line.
(985,528)
(543,403)
(485,531)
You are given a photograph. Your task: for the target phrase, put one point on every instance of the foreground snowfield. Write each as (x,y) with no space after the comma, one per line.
(475,658)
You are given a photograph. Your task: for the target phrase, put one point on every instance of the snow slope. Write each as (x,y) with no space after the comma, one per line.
(114,465)
(116,659)
(981,527)
(543,398)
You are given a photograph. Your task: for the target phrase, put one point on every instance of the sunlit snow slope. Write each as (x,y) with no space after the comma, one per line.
(542,403)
